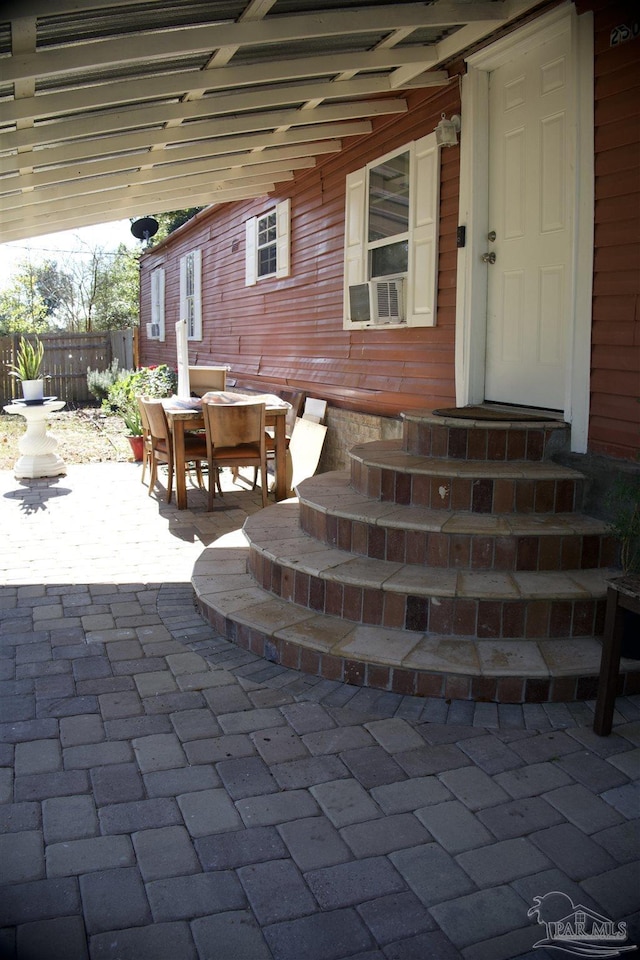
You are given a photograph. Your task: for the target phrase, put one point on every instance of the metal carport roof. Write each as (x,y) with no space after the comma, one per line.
(121,108)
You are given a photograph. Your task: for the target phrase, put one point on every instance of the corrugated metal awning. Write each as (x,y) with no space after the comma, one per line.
(124,108)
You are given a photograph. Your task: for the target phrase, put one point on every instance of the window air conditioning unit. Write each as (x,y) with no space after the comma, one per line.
(377,302)
(153,331)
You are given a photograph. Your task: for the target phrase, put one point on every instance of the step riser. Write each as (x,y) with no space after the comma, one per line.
(418,571)
(482,442)
(483,495)
(460,551)
(421,683)
(440,616)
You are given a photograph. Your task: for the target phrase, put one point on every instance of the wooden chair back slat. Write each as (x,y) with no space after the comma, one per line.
(236,437)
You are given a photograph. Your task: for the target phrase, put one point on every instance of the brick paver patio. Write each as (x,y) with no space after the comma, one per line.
(167,796)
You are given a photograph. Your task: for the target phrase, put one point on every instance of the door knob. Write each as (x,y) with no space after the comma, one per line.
(489,257)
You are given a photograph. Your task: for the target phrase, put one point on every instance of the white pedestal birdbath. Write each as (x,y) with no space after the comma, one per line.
(37,447)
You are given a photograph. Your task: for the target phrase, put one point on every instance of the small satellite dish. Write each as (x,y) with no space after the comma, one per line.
(144,228)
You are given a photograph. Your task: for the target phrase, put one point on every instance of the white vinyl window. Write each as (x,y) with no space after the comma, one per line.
(155,329)
(267,246)
(190,293)
(391,238)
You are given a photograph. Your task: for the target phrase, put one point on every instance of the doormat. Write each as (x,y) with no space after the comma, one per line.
(490,413)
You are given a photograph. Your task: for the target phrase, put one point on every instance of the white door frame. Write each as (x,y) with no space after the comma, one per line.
(471,289)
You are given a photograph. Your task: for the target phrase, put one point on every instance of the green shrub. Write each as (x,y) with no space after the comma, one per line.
(624,498)
(99,382)
(122,398)
(157,382)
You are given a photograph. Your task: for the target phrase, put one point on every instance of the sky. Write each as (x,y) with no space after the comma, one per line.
(60,245)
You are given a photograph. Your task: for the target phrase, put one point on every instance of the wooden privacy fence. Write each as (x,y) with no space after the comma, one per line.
(66,359)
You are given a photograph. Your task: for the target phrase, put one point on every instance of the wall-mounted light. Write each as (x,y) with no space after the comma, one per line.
(447,131)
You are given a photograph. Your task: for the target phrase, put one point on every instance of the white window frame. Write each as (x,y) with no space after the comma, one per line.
(421,280)
(282,212)
(191,293)
(157,303)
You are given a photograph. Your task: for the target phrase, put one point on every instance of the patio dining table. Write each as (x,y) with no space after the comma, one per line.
(187,415)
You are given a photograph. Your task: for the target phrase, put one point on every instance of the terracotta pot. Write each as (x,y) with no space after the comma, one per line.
(136,444)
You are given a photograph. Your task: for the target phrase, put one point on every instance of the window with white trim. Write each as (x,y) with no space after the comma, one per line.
(267,244)
(190,293)
(155,329)
(391,238)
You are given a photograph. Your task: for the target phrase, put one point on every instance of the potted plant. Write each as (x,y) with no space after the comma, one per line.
(122,398)
(27,368)
(133,423)
(130,413)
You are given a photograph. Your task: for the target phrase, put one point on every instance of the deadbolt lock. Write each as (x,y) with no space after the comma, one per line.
(491,236)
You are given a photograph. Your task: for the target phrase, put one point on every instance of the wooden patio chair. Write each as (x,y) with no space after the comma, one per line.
(195,447)
(204,379)
(295,400)
(236,437)
(146,440)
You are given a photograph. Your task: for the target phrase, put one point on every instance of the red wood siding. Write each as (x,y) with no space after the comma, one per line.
(614,427)
(289,331)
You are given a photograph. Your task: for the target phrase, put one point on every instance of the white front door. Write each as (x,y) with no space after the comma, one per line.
(529,286)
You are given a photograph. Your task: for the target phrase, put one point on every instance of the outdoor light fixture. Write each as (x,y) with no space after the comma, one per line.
(447,131)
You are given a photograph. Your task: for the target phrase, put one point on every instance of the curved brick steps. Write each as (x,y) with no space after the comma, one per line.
(404,661)
(384,471)
(288,563)
(429,435)
(452,562)
(332,511)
